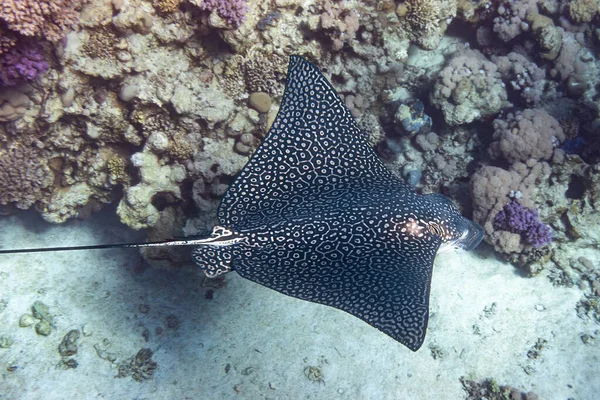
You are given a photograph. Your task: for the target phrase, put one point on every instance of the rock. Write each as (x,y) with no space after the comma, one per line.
(26,320)
(41,311)
(86,330)
(13,104)
(68,346)
(128,92)
(43,328)
(68,97)
(260,101)
(5,342)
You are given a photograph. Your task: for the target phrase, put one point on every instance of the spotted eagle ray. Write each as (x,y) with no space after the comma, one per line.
(316,215)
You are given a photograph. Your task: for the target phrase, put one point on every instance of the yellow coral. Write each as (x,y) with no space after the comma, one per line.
(101,43)
(180,149)
(581,11)
(116,169)
(167,6)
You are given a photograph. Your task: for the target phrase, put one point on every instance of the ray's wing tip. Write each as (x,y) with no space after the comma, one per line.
(412,343)
(414,346)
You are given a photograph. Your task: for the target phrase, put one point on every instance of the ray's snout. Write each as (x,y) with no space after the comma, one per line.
(472,235)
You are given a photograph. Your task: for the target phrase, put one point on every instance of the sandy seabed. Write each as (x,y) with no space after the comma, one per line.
(249,342)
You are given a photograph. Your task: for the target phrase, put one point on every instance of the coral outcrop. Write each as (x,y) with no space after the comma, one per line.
(469,88)
(136,209)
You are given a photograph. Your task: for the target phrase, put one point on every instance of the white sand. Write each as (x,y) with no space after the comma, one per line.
(268,340)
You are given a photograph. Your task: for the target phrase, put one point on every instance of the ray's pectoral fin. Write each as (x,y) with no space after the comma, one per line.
(213,260)
(388,288)
(399,309)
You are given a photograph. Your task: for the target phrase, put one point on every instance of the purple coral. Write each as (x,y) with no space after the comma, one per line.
(232,11)
(518,219)
(21,64)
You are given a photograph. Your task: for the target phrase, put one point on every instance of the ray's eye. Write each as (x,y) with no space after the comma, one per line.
(435,229)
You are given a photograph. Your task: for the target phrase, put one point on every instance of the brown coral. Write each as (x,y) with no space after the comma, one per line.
(530,134)
(101,43)
(7,40)
(24,176)
(48,19)
(179,148)
(263,73)
(424,15)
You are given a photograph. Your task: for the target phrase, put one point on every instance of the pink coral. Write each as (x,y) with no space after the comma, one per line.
(523,76)
(340,23)
(48,19)
(232,11)
(530,134)
(24,176)
(492,187)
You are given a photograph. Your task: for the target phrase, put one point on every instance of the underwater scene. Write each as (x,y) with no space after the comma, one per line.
(300,199)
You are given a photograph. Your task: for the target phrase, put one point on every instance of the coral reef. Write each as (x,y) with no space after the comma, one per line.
(136,208)
(426,21)
(524,77)
(511,20)
(491,188)
(232,11)
(157,104)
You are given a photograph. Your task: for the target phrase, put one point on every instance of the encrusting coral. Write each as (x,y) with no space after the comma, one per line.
(24,177)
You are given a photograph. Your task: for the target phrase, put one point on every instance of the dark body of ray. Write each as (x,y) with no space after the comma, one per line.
(316,215)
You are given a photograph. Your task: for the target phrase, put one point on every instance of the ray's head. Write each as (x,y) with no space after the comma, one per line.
(442,219)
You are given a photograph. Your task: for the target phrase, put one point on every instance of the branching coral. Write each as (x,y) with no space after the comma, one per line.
(518,219)
(24,176)
(340,23)
(426,20)
(8,39)
(21,64)
(49,19)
